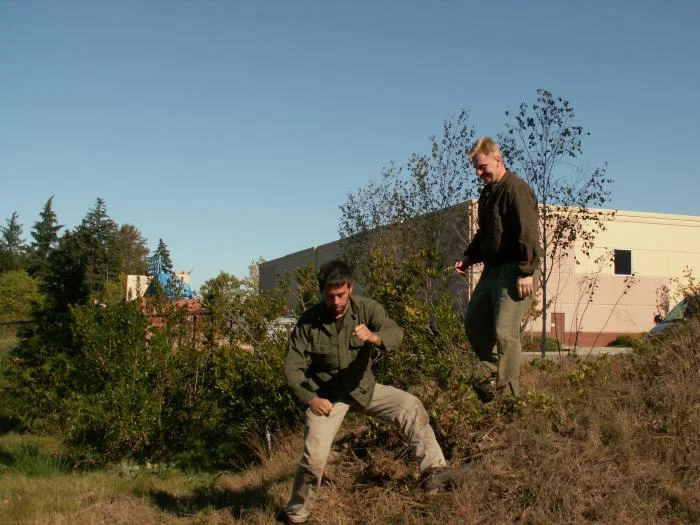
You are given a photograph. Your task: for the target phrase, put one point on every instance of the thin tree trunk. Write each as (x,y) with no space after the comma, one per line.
(544,287)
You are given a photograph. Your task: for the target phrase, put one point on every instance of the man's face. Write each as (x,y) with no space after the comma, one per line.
(489,168)
(337,299)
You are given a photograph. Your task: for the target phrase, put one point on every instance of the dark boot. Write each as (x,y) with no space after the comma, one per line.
(442,479)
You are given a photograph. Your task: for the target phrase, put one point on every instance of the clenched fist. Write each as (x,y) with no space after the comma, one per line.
(366,335)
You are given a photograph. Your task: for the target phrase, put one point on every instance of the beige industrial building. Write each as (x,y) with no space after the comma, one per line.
(614,290)
(631,261)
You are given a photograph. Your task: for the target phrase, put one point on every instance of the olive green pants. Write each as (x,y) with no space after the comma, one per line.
(494,317)
(388,404)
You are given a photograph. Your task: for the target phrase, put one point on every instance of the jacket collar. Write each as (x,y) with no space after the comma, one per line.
(327,322)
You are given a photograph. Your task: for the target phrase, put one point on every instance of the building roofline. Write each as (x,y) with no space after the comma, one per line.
(694,221)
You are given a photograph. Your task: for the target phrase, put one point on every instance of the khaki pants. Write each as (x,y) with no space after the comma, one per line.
(388,404)
(494,316)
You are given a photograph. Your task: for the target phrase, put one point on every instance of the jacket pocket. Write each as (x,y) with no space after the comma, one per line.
(324,359)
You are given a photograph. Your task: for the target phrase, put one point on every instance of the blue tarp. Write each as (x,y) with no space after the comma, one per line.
(171,285)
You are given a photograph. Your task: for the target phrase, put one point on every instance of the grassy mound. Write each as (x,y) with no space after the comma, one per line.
(612,439)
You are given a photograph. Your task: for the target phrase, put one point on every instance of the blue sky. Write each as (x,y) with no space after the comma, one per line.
(234,130)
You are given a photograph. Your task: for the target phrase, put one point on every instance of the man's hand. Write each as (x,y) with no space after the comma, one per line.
(320,406)
(460,267)
(524,285)
(366,335)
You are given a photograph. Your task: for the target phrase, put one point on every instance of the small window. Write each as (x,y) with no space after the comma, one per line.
(623,262)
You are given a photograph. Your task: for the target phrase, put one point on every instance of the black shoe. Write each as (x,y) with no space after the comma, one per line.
(441,479)
(486,392)
(283,517)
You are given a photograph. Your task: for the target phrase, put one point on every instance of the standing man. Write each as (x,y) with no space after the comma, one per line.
(328,365)
(507,242)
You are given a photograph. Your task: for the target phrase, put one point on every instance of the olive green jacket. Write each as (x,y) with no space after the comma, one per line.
(325,362)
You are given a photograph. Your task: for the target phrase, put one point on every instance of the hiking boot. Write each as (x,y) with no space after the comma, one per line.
(440,479)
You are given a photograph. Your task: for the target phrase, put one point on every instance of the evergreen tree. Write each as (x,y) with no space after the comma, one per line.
(83,262)
(13,251)
(162,252)
(45,234)
(64,281)
(97,236)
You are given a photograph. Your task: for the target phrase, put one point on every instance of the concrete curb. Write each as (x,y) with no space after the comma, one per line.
(583,353)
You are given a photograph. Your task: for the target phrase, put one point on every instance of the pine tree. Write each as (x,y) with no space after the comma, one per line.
(162,252)
(13,251)
(64,281)
(45,234)
(97,235)
(84,261)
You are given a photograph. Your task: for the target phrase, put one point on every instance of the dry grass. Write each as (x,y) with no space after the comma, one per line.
(8,338)
(610,440)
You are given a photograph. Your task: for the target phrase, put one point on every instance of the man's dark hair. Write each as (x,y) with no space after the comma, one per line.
(334,273)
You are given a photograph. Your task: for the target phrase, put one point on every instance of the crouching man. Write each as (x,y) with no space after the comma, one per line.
(329,368)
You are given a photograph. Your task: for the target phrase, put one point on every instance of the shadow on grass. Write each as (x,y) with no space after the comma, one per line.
(385,480)
(7,459)
(359,446)
(217,498)
(9,424)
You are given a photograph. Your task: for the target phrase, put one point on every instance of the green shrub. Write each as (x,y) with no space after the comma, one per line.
(121,373)
(18,292)
(115,387)
(625,340)
(530,343)
(546,365)
(36,373)
(434,343)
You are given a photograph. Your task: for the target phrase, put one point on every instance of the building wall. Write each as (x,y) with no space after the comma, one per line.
(136,286)
(282,269)
(661,246)
(451,226)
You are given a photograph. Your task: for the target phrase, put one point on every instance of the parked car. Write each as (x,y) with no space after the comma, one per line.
(687,308)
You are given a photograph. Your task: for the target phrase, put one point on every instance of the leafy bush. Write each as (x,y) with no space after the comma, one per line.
(18,292)
(123,370)
(546,365)
(115,386)
(531,343)
(434,343)
(625,340)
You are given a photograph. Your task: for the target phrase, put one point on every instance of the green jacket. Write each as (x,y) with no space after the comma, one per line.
(508,226)
(329,363)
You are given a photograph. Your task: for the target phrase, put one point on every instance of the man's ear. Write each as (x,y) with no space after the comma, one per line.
(350,290)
